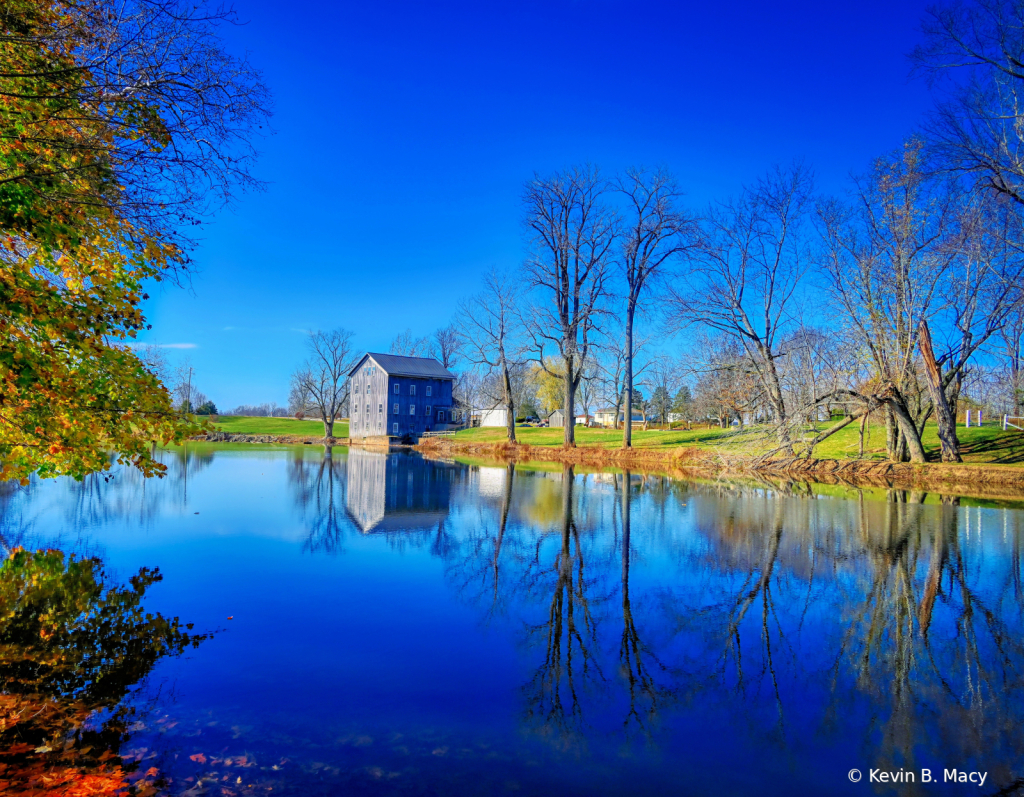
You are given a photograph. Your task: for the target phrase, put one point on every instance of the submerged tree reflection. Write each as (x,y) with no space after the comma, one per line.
(878,623)
(568,634)
(73,647)
(321,491)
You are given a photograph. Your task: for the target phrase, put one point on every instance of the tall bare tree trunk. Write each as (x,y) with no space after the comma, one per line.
(944,417)
(510,406)
(569,434)
(908,441)
(627,418)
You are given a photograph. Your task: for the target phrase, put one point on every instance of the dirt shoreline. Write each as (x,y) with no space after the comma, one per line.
(989,480)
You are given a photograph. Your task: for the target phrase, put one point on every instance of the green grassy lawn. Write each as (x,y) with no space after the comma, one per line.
(980,445)
(240,424)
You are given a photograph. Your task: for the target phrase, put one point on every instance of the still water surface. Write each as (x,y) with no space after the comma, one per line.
(386,625)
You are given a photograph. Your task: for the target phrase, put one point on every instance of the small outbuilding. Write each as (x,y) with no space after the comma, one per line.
(495,416)
(557,419)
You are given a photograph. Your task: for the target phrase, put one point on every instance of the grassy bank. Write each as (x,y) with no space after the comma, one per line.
(241,424)
(984,445)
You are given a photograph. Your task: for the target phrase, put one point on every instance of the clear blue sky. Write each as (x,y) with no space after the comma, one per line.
(404,133)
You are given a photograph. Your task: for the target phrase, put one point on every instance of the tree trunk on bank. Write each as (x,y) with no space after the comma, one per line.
(944,416)
(627,417)
(328,427)
(569,436)
(778,403)
(909,441)
(510,407)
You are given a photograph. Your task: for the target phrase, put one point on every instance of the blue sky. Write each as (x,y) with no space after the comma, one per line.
(405,131)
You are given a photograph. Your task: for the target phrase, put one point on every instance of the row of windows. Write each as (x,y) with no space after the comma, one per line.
(398,389)
(395,426)
(412,389)
(395,410)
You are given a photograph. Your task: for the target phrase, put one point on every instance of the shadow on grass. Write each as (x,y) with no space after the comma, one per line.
(1007,449)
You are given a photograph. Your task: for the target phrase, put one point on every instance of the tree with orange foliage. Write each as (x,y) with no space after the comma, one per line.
(121,126)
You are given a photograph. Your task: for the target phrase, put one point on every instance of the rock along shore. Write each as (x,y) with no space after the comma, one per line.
(227,437)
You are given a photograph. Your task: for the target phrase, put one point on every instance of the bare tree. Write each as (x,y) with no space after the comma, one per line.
(406,345)
(184,389)
(446,346)
(323,378)
(656,231)
(570,232)
(300,401)
(611,369)
(885,261)
(744,276)
(467,390)
(973,55)
(489,324)
(155,360)
(1011,338)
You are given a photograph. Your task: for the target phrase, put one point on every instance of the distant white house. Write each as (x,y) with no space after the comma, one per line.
(497,416)
(607,417)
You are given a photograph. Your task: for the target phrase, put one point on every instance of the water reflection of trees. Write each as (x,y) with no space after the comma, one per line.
(877,606)
(74,651)
(118,495)
(319,490)
(789,606)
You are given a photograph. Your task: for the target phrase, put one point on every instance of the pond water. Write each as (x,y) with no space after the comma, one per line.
(381,624)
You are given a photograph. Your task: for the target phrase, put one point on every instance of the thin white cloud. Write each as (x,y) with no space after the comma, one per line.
(165,345)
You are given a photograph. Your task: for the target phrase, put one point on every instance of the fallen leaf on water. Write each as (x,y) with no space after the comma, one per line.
(199,758)
(231,617)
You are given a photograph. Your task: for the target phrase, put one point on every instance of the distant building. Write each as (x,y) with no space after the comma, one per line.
(495,416)
(557,418)
(397,396)
(610,416)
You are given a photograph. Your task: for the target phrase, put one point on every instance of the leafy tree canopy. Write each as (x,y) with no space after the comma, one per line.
(118,129)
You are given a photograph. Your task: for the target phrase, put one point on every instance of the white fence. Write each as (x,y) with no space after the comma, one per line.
(1013,422)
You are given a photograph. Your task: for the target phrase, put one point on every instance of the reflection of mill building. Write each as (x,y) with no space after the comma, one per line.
(397,492)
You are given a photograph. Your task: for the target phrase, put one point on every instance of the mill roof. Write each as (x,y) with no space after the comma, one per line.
(397,365)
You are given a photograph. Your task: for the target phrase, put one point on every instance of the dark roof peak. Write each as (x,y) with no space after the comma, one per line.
(400,365)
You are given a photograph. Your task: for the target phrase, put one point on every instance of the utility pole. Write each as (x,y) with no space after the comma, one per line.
(188,391)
